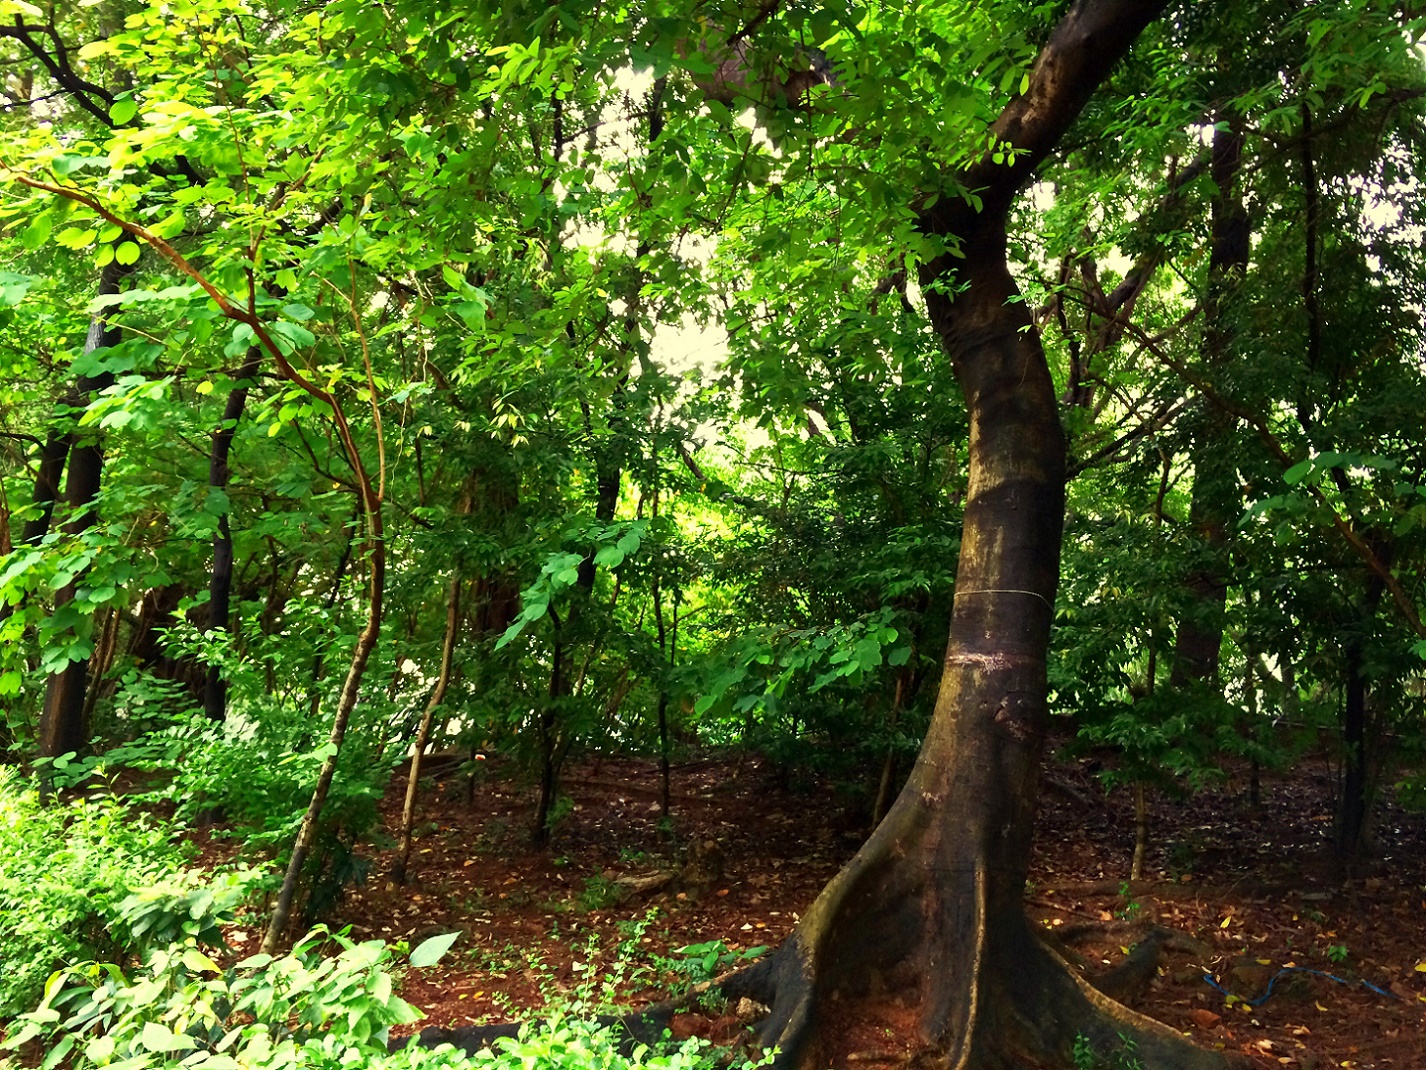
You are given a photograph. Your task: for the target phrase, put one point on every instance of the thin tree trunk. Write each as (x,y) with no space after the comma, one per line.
(665,655)
(1141,800)
(369,503)
(47,480)
(1250,700)
(49,472)
(351,689)
(102,660)
(548,720)
(220,586)
(1356,779)
(1151,678)
(423,733)
(1353,807)
(334,592)
(888,765)
(1141,832)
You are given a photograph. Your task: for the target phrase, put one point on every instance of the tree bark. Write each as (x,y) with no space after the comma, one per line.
(62,723)
(929,912)
(220,585)
(1356,780)
(47,480)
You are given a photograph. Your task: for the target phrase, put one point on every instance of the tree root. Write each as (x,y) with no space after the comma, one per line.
(1041,1011)
(1036,1013)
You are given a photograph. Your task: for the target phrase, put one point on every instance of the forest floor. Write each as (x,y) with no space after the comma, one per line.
(1248,888)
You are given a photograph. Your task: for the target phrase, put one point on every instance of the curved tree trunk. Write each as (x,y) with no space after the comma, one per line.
(928,915)
(47,479)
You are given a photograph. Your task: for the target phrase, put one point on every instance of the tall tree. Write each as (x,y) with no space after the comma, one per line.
(930,911)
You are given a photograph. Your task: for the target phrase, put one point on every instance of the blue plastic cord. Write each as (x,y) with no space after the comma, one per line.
(1298,969)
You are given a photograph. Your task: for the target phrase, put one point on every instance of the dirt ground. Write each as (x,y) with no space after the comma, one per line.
(1247,888)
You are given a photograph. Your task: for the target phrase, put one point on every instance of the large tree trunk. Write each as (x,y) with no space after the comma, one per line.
(62,724)
(926,924)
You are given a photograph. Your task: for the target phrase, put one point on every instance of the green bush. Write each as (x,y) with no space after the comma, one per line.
(66,872)
(256,773)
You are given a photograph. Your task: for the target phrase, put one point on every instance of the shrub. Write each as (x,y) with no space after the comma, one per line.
(66,872)
(257,772)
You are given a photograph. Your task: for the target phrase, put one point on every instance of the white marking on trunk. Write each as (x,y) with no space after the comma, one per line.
(999,660)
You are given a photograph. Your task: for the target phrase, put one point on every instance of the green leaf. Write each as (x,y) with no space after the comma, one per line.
(127,253)
(157,1037)
(430,952)
(37,233)
(75,237)
(217,504)
(297,337)
(609,557)
(198,962)
(122,111)
(58,1052)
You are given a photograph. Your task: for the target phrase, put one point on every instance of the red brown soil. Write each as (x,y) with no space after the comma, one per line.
(1248,886)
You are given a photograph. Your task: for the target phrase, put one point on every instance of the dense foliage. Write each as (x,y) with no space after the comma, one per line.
(559,375)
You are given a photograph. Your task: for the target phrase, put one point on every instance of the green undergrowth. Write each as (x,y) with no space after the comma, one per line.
(330,1003)
(89,878)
